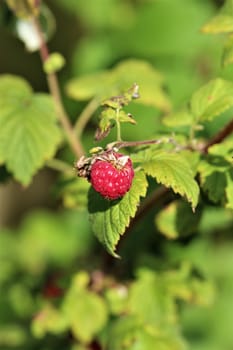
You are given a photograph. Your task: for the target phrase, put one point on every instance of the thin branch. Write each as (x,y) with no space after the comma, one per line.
(74,142)
(85,116)
(59,165)
(121,144)
(218,138)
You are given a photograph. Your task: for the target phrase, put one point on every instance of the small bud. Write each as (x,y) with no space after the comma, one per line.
(54,63)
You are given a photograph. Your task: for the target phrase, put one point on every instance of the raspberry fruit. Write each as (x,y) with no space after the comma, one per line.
(112,175)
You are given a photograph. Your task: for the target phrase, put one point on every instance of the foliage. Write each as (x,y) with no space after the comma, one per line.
(151,270)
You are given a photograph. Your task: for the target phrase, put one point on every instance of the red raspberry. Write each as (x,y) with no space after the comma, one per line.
(112,176)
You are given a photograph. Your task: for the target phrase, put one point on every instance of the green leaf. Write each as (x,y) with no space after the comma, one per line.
(48,320)
(117,298)
(223,150)
(124,117)
(121,333)
(106,116)
(212,99)
(221,23)
(85,311)
(149,80)
(116,81)
(171,170)
(183,284)
(177,220)
(29,134)
(180,118)
(117,102)
(227,57)
(89,86)
(215,185)
(213,178)
(229,190)
(109,219)
(157,307)
(130,333)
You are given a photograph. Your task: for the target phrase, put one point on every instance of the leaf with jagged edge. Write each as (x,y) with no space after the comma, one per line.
(212,99)
(171,170)
(109,219)
(29,134)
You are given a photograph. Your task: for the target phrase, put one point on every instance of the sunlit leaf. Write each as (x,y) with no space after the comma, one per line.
(227,57)
(29,134)
(130,333)
(212,99)
(180,118)
(109,219)
(85,311)
(114,82)
(222,22)
(48,320)
(171,170)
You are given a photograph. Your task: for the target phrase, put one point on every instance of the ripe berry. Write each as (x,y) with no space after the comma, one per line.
(112,175)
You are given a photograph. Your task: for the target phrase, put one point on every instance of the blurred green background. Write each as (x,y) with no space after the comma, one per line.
(40,241)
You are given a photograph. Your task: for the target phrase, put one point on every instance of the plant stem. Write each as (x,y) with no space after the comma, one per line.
(85,116)
(74,142)
(218,138)
(118,125)
(59,165)
(121,144)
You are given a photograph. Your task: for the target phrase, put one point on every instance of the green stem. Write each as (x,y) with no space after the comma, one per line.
(59,165)
(121,144)
(192,134)
(54,88)
(118,125)
(85,116)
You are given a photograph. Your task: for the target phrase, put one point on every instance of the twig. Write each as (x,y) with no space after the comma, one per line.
(74,142)
(59,165)
(226,131)
(85,117)
(121,144)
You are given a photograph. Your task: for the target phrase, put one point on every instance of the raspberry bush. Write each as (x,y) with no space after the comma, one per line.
(132,248)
